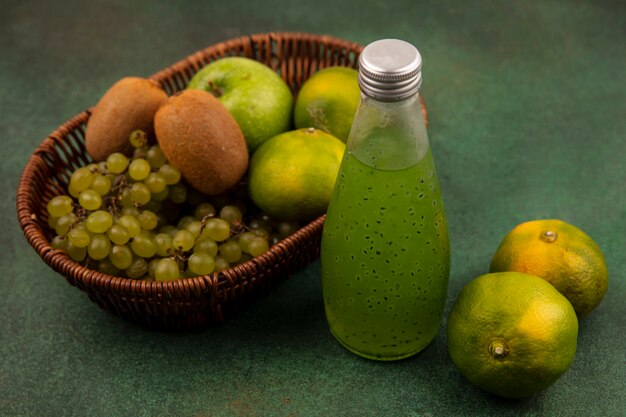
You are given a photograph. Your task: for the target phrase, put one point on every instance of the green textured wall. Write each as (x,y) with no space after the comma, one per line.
(527,120)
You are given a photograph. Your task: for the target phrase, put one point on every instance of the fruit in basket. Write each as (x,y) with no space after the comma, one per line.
(201,138)
(328,101)
(512,334)
(130,104)
(128,235)
(560,253)
(292,175)
(253,93)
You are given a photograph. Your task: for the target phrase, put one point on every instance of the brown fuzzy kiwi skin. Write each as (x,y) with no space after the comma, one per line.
(200,137)
(129,104)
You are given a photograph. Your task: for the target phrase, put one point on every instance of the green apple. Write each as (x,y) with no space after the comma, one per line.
(259,100)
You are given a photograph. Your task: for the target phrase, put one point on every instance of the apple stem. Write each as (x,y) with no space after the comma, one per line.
(215,90)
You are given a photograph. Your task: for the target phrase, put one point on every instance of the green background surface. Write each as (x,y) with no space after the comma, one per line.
(527,120)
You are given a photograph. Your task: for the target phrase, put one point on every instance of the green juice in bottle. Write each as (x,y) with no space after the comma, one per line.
(385,251)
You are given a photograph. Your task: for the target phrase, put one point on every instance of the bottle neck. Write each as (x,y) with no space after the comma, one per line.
(388,135)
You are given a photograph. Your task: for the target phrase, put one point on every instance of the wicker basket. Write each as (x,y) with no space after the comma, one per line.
(191,302)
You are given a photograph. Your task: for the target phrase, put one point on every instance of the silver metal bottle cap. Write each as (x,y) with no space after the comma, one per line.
(390,70)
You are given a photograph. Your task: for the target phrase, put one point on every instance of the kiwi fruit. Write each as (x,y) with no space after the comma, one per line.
(201,138)
(129,104)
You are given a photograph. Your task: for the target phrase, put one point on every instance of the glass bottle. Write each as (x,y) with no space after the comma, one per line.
(385,253)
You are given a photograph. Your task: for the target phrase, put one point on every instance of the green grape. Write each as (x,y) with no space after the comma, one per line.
(204,210)
(163,242)
(117,163)
(156,157)
(195,197)
(258,246)
(170,173)
(201,263)
(125,198)
(81,179)
(231,214)
(221,263)
(153,206)
(169,229)
(139,169)
(167,270)
(244,258)
(183,239)
(99,247)
(59,243)
(138,138)
(155,182)
(257,223)
(178,193)
(130,211)
(184,221)
(60,205)
(140,153)
(79,237)
(90,200)
(161,220)
(206,246)
(64,223)
(194,227)
(261,232)
(285,229)
(231,251)
(220,200)
(101,184)
(118,235)
(140,194)
(265,218)
(71,191)
(52,221)
(148,220)
(143,245)
(131,224)
(121,256)
(76,253)
(274,239)
(245,239)
(137,269)
(217,230)
(99,221)
(106,267)
(162,196)
(152,265)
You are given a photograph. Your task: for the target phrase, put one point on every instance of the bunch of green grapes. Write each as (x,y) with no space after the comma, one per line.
(136,217)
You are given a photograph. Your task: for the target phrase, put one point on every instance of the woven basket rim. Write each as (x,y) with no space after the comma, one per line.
(66,266)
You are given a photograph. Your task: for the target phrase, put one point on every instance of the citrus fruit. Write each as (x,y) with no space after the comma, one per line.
(292,175)
(561,254)
(328,101)
(512,334)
